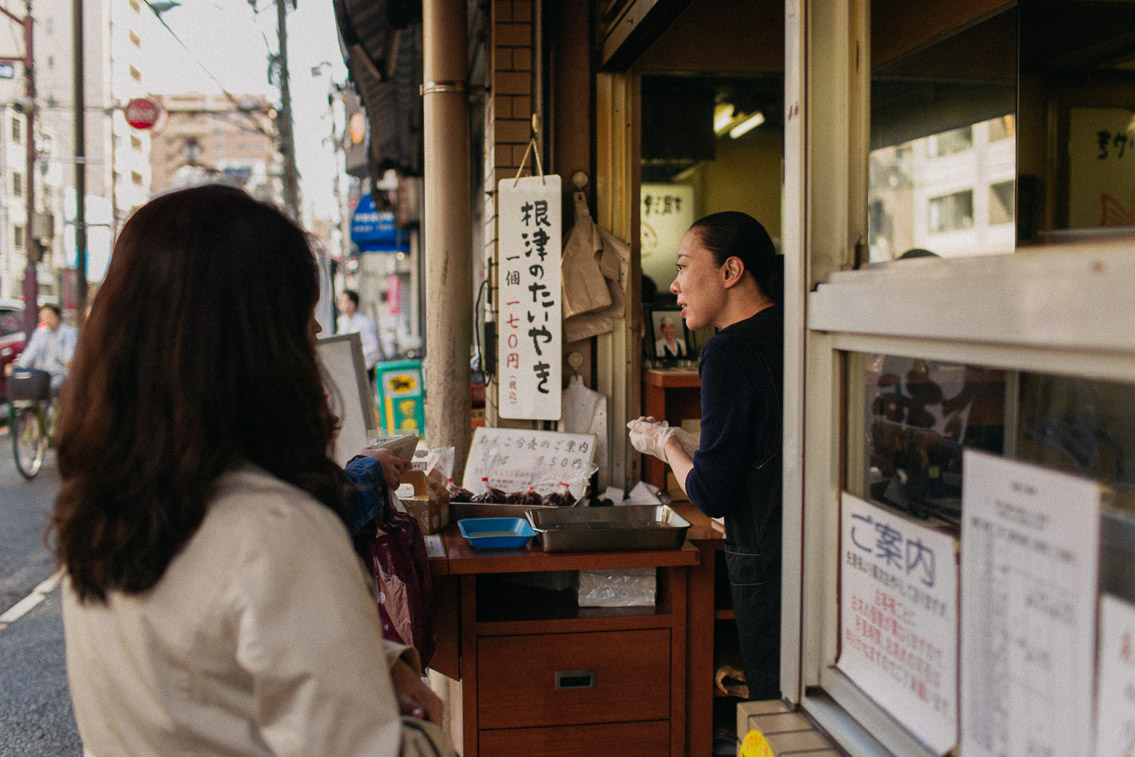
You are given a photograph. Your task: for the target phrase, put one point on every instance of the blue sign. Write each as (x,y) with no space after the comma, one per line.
(373,230)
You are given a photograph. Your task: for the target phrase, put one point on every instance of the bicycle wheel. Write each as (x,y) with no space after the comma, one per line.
(29,437)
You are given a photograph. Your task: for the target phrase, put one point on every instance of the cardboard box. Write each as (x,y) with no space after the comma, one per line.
(425,503)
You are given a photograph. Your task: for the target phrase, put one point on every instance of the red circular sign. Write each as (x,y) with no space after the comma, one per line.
(142,113)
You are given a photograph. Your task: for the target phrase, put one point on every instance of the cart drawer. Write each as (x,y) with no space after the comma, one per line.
(602,740)
(562,679)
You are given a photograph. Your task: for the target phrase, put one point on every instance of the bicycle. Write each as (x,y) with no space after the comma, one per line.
(31,418)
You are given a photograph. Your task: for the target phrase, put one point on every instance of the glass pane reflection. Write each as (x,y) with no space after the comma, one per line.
(920,414)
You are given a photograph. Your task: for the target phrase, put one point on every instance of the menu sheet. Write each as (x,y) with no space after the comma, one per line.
(1030,561)
(1115,692)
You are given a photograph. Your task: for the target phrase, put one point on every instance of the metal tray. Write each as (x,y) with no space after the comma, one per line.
(608,529)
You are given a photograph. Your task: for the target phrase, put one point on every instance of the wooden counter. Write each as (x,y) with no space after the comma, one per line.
(540,675)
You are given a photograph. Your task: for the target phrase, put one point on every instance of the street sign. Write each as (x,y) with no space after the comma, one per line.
(7,70)
(142,113)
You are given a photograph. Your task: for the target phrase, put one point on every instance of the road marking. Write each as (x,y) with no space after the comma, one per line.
(38,594)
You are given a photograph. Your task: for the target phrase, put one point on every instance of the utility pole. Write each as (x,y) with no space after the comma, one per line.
(81,160)
(284,117)
(31,285)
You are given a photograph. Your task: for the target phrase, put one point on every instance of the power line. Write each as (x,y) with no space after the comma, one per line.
(228,95)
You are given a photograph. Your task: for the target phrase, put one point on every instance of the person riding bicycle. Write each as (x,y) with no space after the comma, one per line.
(51,346)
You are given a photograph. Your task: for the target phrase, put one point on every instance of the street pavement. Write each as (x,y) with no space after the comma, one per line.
(35,707)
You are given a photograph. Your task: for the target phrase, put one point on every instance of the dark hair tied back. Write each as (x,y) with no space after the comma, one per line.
(735,234)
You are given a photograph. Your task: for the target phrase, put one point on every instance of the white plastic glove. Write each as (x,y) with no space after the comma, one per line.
(650,437)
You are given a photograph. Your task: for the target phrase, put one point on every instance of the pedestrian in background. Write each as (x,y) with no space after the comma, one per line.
(51,347)
(730,277)
(351,321)
(213,602)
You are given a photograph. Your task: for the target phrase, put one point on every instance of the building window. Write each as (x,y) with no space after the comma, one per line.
(1001,202)
(17,130)
(135,74)
(18,184)
(51,62)
(135,39)
(136,6)
(18,237)
(1002,128)
(135,142)
(950,142)
(136,178)
(951,212)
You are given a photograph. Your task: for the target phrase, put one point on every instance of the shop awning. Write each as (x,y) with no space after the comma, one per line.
(382,42)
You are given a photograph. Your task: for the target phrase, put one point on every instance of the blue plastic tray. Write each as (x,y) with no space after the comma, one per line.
(496,533)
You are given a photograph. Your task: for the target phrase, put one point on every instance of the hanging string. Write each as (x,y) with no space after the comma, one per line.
(532,148)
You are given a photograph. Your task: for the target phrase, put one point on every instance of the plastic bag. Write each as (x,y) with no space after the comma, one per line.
(626,587)
(395,554)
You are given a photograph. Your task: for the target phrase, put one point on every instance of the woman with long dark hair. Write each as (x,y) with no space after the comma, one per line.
(213,602)
(730,277)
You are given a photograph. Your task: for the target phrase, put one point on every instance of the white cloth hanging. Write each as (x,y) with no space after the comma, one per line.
(585,412)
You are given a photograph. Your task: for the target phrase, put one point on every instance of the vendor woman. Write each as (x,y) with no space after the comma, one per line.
(730,277)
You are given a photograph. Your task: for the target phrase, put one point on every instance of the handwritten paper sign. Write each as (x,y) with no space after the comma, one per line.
(1115,692)
(898,618)
(514,459)
(1030,561)
(667,211)
(1101,167)
(531,327)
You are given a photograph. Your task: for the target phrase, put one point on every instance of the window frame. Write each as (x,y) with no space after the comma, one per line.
(1058,309)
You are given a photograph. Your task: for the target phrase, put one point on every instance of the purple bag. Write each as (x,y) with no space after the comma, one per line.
(400,566)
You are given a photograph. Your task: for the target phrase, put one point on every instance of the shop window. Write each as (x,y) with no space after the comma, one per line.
(951,212)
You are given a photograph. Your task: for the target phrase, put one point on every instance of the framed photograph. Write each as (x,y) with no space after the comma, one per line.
(668,335)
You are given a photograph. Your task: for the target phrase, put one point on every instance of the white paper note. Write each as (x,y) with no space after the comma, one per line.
(1030,560)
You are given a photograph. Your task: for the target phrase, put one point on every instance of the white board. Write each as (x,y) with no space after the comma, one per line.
(349,393)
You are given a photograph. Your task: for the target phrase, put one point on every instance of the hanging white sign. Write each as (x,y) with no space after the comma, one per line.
(530,325)
(1030,561)
(899,618)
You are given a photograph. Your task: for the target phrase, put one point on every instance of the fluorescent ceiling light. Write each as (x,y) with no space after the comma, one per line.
(747,125)
(722,118)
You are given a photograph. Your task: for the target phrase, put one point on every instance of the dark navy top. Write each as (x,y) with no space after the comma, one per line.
(737,467)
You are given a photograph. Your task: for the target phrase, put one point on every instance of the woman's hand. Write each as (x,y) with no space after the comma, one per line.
(414,697)
(650,437)
(392,466)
